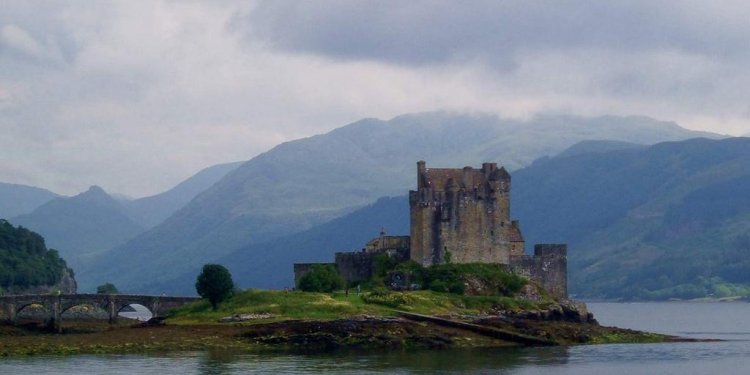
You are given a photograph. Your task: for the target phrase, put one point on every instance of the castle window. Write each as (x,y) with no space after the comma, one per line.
(492,233)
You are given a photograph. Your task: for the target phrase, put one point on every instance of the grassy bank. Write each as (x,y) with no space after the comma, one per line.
(338,305)
(320,321)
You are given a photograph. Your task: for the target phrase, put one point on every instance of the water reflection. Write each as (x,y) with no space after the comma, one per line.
(452,361)
(726,321)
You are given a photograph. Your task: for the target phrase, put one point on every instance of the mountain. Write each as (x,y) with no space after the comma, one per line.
(269,264)
(150,211)
(82,225)
(27,266)
(666,221)
(299,184)
(21,199)
(670,220)
(600,146)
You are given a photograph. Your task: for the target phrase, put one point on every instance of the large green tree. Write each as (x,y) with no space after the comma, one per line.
(214,284)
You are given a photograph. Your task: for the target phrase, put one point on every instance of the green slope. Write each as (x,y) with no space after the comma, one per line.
(25,261)
(666,221)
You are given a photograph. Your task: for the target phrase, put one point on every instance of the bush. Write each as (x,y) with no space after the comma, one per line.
(449,278)
(215,284)
(107,288)
(386,298)
(321,278)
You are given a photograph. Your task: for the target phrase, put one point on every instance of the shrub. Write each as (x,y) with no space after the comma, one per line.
(107,288)
(386,298)
(321,278)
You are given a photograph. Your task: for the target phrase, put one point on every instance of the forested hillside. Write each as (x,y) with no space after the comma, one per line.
(25,261)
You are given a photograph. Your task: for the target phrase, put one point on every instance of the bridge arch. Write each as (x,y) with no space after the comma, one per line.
(23,305)
(121,313)
(69,306)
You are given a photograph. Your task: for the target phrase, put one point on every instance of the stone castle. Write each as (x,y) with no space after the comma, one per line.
(460,216)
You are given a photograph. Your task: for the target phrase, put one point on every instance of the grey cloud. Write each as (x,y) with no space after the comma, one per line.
(434,32)
(136,95)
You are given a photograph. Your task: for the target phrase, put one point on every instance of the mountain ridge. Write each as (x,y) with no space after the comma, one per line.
(16,199)
(306,182)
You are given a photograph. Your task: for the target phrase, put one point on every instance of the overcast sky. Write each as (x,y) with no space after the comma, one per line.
(136,96)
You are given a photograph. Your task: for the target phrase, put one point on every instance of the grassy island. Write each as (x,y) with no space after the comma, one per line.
(256,320)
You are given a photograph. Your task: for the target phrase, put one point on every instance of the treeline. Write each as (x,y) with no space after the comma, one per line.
(25,261)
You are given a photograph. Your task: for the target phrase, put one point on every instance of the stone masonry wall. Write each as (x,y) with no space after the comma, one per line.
(548,267)
(462,211)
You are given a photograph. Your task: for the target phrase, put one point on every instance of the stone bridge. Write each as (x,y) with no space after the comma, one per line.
(56,305)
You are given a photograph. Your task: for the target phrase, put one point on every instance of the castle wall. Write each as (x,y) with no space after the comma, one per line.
(548,267)
(355,266)
(464,212)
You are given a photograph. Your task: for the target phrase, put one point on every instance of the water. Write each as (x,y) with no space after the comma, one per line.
(727,321)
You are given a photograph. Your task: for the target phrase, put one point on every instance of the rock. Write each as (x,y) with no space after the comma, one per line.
(244,317)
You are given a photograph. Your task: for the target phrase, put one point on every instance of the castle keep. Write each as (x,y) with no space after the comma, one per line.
(460,216)
(463,215)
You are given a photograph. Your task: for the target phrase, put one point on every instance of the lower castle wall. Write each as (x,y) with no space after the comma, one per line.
(548,267)
(355,266)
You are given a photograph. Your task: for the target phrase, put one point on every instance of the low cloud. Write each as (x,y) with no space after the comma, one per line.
(135,96)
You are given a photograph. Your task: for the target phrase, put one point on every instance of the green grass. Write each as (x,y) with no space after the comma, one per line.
(337,305)
(282,305)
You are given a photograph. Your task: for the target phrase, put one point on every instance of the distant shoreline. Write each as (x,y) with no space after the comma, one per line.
(673,300)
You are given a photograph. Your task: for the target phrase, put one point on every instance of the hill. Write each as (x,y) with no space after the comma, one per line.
(269,264)
(670,220)
(666,221)
(21,199)
(150,211)
(26,265)
(306,182)
(599,146)
(82,225)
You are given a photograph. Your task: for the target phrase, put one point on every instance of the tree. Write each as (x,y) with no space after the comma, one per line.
(107,288)
(215,284)
(321,278)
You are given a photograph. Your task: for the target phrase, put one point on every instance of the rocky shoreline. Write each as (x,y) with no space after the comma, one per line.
(354,333)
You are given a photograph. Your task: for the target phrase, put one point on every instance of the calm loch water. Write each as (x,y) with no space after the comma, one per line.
(728,321)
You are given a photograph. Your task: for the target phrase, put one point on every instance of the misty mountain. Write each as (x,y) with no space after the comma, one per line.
(299,184)
(82,225)
(150,211)
(21,199)
(600,146)
(670,220)
(269,264)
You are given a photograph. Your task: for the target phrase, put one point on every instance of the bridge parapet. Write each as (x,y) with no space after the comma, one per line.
(112,303)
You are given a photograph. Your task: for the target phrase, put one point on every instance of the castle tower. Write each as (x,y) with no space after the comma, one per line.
(464,215)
